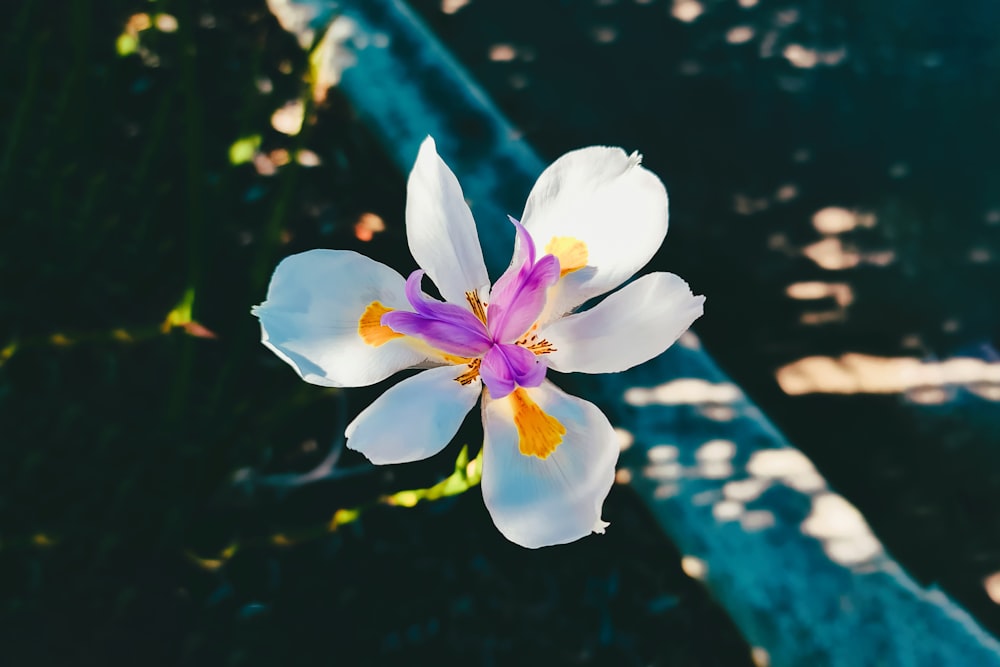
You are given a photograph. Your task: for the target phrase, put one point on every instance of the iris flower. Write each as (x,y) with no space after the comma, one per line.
(593,219)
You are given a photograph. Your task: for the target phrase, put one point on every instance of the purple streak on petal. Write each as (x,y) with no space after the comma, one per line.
(529,368)
(523,243)
(496,373)
(440,335)
(507,366)
(445,326)
(518,297)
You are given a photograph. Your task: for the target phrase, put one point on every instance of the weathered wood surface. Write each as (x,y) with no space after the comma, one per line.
(794,564)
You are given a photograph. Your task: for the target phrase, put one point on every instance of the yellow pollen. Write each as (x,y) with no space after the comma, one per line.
(370,326)
(571,253)
(539,433)
(478,307)
(470,375)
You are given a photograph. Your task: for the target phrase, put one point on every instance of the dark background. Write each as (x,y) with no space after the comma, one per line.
(140,515)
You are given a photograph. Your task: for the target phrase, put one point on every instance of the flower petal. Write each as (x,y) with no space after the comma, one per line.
(440,229)
(445,326)
(603,198)
(310,318)
(629,327)
(414,419)
(536,502)
(506,366)
(518,297)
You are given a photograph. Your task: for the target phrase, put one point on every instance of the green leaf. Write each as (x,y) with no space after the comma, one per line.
(467,474)
(243,150)
(126,44)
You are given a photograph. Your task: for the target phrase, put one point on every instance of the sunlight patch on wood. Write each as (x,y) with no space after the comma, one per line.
(842,293)
(842,529)
(605,34)
(781,464)
(747,205)
(740,34)
(685,391)
(992,586)
(662,453)
(727,510)
(804,57)
(663,471)
(687,10)
(831,254)
(837,220)
(502,53)
(714,459)
(786,192)
(756,520)
(694,567)
(855,373)
(716,450)
(689,340)
(452,6)
(625,439)
(745,490)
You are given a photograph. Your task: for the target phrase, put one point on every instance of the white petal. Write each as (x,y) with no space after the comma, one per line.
(629,327)
(603,197)
(539,502)
(415,419)
(440,229)
(310,318)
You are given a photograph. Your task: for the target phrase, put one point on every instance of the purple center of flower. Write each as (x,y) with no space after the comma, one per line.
(516,301)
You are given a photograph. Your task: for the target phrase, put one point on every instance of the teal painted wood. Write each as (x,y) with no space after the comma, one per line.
(793,563)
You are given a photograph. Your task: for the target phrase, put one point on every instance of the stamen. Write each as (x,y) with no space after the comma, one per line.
(530,341)
(370,326)
(541,346)
(470,375)
(538,433)
(572,253)
(478,307)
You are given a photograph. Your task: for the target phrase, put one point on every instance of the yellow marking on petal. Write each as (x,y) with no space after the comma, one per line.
(370,326)
(539,433)
(572,253)
(477,305)
(373,332)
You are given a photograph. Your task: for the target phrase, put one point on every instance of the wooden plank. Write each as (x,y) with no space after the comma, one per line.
(795,564)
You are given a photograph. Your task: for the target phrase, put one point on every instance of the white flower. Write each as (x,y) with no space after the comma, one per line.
(593,219)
